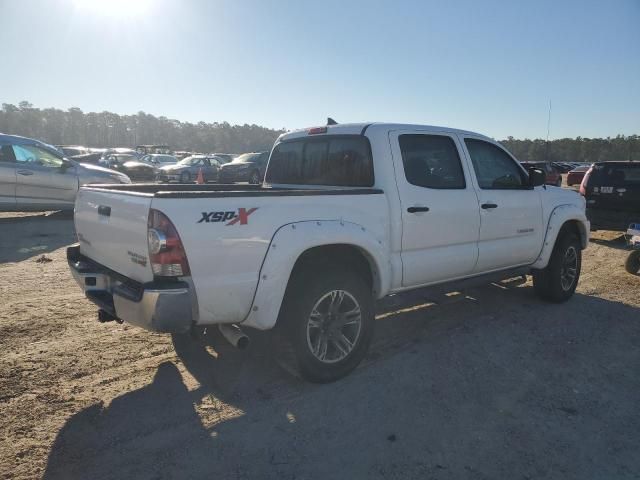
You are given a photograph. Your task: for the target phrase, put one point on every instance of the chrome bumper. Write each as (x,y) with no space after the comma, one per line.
(159,307)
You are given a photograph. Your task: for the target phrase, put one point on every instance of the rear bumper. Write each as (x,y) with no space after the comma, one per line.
(155,306)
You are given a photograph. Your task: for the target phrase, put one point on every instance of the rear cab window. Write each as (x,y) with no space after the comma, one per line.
(338,160)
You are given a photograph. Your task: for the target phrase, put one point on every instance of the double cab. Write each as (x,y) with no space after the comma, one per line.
(347,214)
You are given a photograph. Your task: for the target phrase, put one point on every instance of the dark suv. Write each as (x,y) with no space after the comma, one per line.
(249,167)
(612,191)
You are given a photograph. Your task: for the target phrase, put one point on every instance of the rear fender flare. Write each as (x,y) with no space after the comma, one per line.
(292,240)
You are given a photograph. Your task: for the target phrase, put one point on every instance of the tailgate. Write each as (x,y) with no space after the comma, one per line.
(112,230)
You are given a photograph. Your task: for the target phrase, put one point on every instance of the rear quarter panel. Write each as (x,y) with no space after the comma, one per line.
(225,256)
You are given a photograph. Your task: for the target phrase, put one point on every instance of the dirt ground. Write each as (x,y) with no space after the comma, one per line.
(490,383)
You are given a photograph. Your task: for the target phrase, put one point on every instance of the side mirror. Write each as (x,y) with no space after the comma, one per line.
(536,177)
(65,166)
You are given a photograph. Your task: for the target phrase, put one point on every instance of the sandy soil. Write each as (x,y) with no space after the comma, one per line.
(488,383)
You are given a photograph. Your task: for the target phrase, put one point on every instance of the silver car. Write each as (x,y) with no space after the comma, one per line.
(35,176)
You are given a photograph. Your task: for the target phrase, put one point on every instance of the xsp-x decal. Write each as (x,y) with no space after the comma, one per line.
(241,216)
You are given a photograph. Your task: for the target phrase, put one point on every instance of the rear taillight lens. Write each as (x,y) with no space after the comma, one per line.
(166,252)
(585,180)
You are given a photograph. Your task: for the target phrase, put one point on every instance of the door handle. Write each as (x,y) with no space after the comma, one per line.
(417,209)
(488,206)
(26,173)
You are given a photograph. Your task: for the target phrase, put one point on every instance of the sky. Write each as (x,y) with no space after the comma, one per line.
(489,66)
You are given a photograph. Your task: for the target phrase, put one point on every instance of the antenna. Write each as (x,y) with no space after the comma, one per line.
(548,130)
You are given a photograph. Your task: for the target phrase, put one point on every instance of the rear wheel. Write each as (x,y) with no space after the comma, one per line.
(559,182)
(185,177)
(632,265)
(327,318)
(558,281)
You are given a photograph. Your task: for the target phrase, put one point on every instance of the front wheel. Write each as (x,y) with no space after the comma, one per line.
(329,321)
(558,281)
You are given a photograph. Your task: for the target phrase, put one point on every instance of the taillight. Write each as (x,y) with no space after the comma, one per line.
(166,253)
(585,180)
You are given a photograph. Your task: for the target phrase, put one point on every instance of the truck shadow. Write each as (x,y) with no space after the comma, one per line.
(437,397)
(26,236)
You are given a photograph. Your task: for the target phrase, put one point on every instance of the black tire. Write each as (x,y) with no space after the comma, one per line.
(306,290)
(559,182)
(185,177)
(632,265)
(255,178)
(552,283)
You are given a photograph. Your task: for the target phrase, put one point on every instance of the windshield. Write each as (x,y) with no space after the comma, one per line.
(246,157)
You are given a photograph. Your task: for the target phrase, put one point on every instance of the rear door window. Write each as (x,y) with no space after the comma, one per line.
(338,161)
(431,161)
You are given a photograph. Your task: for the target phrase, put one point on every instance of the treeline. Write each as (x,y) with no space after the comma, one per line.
(576,149)
(106,129)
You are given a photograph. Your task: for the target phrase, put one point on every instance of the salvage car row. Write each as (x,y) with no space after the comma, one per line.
(38,176)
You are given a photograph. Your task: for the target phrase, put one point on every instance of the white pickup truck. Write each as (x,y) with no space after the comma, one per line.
(347,214)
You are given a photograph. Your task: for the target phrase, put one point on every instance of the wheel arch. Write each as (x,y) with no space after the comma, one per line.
(563,218)
(315,243)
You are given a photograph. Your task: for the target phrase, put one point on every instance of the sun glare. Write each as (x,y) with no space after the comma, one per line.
(114,8)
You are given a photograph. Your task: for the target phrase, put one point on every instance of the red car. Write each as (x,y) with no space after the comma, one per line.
(575,176)
(553,177)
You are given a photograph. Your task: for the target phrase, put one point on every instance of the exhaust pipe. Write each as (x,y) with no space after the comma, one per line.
(234,335)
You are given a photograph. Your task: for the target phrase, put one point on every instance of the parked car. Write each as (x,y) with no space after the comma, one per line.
(187,169)
(552,176)
(612,193)
(249,167)
(147,149)
(35,176)
(159,159)
(92,158)
(72,150)
(575,176)
(224,157)
(352,213)
(562,167)
(147,168)
(116,160)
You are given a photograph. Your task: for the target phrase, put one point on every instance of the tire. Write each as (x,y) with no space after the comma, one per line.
(255,178)
(632,265)
(555,283)
(185,177)
(559,182)
(325,341)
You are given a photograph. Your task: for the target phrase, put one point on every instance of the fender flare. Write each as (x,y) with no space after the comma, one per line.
(559,216)
(292,240)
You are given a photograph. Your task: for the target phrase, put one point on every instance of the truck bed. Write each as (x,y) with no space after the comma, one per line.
(156,190)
